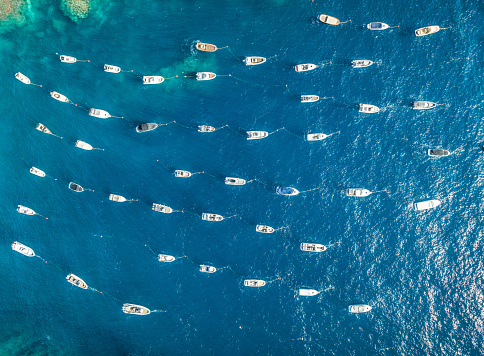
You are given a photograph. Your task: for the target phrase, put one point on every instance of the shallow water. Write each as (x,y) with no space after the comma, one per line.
(425,267)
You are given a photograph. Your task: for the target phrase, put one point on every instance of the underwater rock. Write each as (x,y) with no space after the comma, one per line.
(76,9)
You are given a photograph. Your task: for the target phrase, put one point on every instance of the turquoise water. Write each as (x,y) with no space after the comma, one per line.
(421,271)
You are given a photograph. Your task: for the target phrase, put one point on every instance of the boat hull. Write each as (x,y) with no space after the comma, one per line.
(428,204)
(329,20)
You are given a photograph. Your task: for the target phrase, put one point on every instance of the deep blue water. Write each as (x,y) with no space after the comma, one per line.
(424,267)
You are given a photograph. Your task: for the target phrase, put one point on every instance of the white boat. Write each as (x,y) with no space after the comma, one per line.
(68,59)
(42,128)
(305,67)
(205,128)
(308,292)
(437,152)
(361,63)
(162,208)
(153,79)
(206,75)
(24,210)
(289,191)
(330,20)
(377,26)
(59,97)
(207,269)
(310,247)
(150,126)
(135,309)
(309,98)
(423,105)
(254,283)
(37,172)
(357,192)
(316,136)
(428,204)
(166,258)
(83,145)
(234,181)
(117,198)
(24,250)
(78,282)
(75,187)
(102,114)
(359,308)
(182,174)
(369,109)
(212,217)
(206,47)
(264,229)
(252,61)
(424,31)
(23,78)
(256,135)
(111,69)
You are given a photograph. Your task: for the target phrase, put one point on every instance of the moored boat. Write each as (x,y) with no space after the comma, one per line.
(102,114)
(308,292)
(311,247)
(23,78)
(316,136)
(205,75)
(78,282)
(254,60)
(428,30)
(68,59)
(359,308)
(207,269)
(182,174)
(153,79)
(264,229)
(212,217)
(111,69)
(42,128)
(205,47)
(377,26)
(37,172)
(150,126)
(329,20)
(423,105)
(166,258)
(309,98)
(361,63)
(162,208)
(256,135)
(438,152)
(369,109)
(289,191)
(205,128)
(59,97)
(305,67)
(357,192)
(24,250)
(254,283)
(117,198)
(234,181)
(24,210)
(428,204)
(75,187)
(83,145)
(135,309)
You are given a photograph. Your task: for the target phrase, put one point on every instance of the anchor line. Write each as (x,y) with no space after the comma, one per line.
(274,280)
(158,311)
(291,132)
(282,128)
(310,190)
(229,217)
(238,133)
(154,253)
(164,165)
(345,21)
(221,127)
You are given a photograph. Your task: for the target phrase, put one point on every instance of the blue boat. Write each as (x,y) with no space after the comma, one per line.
(287,191)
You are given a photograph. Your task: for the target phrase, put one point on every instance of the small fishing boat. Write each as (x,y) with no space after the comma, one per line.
(150,126)
(75,187)
(369,109)
(252,61)
(316,136)
(162,208)
(254,283)
(256,135)
(78,282)
(153,79)
(68,59)
(438,152)
(205,128)
(377,26)
(102,114)
(207,269)
(206,47)
(206,75)
(423,105)
(24,250)
(428,30)
(289,191)
(329,20)
(40,127)
(111,69)
(24,210)
(361,63)
(166,258)
(37,172)
(264,229)
(359,308)
(308,292)
(305,67)
(182,174)
(428,204)
(357,192)
(310,247)
(234,181)
(135,309)
(83,145)
(212,217)
(23,78)
(309,98)
(59,97)
(117,198)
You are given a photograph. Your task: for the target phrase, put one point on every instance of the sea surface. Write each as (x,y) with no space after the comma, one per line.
(421,271)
